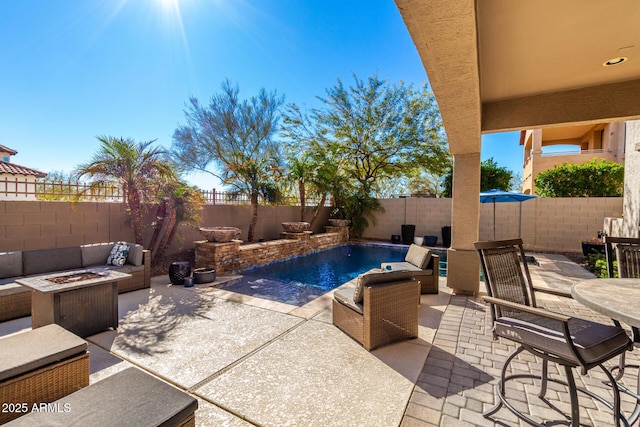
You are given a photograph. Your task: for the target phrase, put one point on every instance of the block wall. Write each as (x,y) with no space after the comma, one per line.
(547,224)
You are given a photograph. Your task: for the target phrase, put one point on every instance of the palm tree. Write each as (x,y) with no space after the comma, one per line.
(131,166)
(181,203)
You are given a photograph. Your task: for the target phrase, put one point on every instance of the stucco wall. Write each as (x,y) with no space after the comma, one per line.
(631,223)
(17,188)
(547,224)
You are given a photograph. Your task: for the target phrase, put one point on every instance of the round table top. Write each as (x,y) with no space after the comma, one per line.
(618,299)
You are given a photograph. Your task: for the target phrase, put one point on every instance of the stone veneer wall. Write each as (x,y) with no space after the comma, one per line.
(230,256)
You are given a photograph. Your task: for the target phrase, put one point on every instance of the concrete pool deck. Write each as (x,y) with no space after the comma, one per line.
(251,361)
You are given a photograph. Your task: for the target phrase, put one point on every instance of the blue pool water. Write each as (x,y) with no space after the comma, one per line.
(302,279)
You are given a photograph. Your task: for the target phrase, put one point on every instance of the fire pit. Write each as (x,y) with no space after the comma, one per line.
(72,278)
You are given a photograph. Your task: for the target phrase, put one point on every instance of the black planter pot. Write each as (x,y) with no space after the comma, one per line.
(588,248)
(178,270)
(408,232)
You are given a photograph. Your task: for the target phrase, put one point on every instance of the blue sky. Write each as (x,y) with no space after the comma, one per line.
(75,69)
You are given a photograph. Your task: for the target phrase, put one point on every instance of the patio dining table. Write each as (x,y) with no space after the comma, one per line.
(618,299)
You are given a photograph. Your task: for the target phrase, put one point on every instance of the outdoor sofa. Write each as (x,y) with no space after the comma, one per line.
(15,300)
(423,265)
(381,309)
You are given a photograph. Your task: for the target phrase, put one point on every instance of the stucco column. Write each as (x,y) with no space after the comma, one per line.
(463,267)
(631,219)
(536,140)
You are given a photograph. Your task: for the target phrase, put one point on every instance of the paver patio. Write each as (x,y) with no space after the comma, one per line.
(256,362)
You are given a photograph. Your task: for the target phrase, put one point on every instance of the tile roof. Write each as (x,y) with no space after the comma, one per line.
(9,150)
(12,168)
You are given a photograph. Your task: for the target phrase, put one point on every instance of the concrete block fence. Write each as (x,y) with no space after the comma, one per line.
(547,224)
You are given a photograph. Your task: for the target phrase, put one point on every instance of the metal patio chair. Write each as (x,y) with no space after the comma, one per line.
(627,254)
(568,341)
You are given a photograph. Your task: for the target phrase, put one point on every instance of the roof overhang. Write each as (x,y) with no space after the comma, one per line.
(501,65)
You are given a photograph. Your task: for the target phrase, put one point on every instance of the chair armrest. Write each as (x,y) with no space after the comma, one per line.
(556,292)
(533,310)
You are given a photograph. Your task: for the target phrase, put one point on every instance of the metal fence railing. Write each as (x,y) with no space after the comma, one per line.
(14,188)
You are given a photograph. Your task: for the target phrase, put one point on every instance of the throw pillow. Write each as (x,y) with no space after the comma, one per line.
(118,254)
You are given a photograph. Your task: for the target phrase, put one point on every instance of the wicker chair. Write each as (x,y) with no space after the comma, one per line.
(568,341)
(383,308)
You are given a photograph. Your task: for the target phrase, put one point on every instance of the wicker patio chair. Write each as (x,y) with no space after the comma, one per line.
(568,341)
(383,308)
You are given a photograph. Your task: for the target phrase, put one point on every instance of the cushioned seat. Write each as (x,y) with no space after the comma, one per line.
(40,366)
(128,398)
(423,265)
(381,309)
(594,341)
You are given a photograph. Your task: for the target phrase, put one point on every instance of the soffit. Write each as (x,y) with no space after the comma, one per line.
(535,63)
(541,46)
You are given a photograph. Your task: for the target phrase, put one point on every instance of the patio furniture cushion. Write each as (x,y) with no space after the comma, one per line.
(345,296)
(10,264)
(594,341)
(95,254)
(135,254)
(118,254)
(49,260)
(128,398)
(36,348)
(418,256)
(404,266)
(9,286)
(375,277)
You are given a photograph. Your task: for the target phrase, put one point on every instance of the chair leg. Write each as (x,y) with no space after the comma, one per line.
(500,386)
(573,396)
(617,418)
(544,379)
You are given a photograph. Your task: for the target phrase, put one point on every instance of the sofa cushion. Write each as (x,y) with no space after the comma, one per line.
(418,256)
(374,278)
(8,286)
(135,254)
(10,264)
(118,254)
(36,348)
(95,254)
(594,341)
(128,398)
(345,296)
(48,260)
(399,266)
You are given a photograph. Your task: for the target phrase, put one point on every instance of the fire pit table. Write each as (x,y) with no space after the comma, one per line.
(84,302)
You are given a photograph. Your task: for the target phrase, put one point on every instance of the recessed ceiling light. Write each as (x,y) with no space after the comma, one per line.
(615,61)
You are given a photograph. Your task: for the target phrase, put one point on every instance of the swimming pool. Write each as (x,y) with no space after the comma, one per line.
(302,279)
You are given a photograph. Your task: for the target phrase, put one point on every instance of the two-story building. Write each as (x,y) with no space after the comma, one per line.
(580,144)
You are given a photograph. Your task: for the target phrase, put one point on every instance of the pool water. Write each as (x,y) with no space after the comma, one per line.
(302,279)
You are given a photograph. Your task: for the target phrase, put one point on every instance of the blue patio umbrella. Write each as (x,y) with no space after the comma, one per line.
(501,196)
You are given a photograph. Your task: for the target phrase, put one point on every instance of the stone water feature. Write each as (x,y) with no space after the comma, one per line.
(233,255)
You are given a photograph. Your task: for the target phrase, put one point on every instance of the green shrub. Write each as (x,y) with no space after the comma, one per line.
(590,179)
(597,264)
